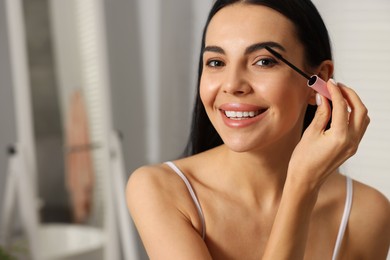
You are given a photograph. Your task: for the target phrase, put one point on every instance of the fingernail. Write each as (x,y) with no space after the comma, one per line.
(318,99)
(333,82)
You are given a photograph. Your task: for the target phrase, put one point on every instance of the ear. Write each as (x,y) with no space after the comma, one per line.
(325,72)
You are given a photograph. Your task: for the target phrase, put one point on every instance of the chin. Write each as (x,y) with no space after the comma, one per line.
(240,146)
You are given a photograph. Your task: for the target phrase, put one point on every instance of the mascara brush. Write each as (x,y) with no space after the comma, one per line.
(313,81)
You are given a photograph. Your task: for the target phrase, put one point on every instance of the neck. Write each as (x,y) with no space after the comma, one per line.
(260,173)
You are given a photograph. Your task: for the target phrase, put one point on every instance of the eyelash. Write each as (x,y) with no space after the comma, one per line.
(218,63)
(271,62)
(210,62)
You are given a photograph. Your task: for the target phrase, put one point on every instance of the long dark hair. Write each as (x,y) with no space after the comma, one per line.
(312,33)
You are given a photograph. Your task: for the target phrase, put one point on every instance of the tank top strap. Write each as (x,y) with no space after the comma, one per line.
(192,193)
(345,217)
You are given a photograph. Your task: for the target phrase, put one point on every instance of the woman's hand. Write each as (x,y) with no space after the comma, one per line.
(320,152)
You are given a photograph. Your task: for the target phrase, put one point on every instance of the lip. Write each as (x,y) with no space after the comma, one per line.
(240,107)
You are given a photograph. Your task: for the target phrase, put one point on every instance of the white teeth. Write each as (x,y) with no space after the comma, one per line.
(241,114)
(230,113)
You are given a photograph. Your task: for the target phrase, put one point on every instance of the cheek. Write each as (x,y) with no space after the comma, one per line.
(290,89)
(276,90)
(208,90)
(289,96)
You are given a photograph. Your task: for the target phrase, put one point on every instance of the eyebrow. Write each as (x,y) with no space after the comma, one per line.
(262,45)
(250,49)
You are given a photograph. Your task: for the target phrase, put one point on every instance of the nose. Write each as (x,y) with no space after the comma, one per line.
(236,82)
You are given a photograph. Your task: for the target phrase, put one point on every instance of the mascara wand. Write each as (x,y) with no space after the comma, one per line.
(314,81)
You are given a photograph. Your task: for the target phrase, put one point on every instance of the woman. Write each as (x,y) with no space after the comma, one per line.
(261,180)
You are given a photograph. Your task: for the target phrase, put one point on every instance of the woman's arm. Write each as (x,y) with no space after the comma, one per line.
(162,218)
(291,226)
(319,153)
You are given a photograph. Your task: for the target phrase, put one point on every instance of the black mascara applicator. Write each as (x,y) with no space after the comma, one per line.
(314,81)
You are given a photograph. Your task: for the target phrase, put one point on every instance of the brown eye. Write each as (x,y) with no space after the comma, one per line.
(266,62)
(215,63)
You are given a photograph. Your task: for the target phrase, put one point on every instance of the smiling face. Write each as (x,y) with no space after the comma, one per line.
(252,99)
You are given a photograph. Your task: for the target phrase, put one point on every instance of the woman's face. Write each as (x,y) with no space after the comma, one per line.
(252,99)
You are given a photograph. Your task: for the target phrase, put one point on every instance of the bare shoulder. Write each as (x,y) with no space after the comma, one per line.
(151,184)
(146,177)
(144,190)
(370,206)
(369,224)
(164,214)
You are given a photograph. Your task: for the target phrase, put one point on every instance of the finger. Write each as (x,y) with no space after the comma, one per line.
(368,120)
(340,114)
(322,115)
(358,118)
(365,126)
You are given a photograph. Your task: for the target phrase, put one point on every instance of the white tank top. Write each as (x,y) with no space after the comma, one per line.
(344,219)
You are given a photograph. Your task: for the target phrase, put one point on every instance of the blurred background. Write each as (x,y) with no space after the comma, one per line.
(90,90)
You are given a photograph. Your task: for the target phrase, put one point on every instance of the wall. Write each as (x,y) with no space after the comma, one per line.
(7,113)
(173,35)
(360,33)
(127,86)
